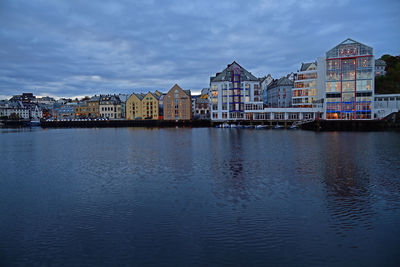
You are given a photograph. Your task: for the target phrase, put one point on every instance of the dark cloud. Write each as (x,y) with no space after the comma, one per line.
(70,48)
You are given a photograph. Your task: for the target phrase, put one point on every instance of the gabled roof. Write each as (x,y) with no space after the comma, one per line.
(283,81)
(380,62)
(151,94)
(305,66)
(264,78)
(226,74)
(362,49)
(176,86)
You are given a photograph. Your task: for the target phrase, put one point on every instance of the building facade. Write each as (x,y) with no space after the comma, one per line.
(110,107)
(279,93)
(81,110)
(264,82)
(178,104)
(304,92)
(150,106)
(202,109)
(93,105)
(380,66)
(230,90)
(133,107)
(349,81)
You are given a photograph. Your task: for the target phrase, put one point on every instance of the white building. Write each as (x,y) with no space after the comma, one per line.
(110,107)
(309,84)
(230,90)
(380,66)
(386,104)
(7,109)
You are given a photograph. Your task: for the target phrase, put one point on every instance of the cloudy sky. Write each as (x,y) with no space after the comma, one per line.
(75,48)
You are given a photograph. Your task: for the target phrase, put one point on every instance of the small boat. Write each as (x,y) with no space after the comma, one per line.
(35,123)
(233,126)
(225,125)
(278,127)
(294,127)
(261,127)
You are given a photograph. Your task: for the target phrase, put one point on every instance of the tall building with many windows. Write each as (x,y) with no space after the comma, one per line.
(309,84)
(230,90)
(349,81)
(305,85)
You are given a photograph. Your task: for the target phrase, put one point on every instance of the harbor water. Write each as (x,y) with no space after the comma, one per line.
(201,196)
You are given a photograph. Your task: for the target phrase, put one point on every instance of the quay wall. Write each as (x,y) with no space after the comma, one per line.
(124,123)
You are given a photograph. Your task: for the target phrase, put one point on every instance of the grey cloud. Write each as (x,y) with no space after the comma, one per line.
(69,48)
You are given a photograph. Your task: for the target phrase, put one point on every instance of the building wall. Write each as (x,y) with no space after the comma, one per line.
(110,110)
(81,111)
(93,109)
(133,108)
(304,92)
(349,81)
(177,105)
(150,107)
(221,98)
(280,96)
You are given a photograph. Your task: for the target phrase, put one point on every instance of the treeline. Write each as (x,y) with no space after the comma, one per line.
(390,83)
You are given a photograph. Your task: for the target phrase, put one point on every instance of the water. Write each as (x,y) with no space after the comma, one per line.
(136,196)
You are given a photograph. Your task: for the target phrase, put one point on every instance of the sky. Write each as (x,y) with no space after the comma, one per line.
(75,48)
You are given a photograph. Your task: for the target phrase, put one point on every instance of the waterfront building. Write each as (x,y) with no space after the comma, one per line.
(309,84)
(35,112)
(380,66)
(178,104)
(81,110)
(14,109)
(264,82)
(194,98)
(386,104)
(123,98)
(134,107)
(150,104)
(202,109)
(65,112)
(110,107)
(279,93)
(349,81)
(230,90)
(93,105)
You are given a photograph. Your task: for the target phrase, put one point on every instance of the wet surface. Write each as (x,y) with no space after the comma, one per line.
(136,196)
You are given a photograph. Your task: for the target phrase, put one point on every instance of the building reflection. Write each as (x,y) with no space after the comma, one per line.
(229,168)
(347,181)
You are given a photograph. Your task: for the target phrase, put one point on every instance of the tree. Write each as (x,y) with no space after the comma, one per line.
(390,83)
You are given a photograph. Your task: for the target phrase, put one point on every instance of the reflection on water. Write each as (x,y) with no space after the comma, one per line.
(137,196)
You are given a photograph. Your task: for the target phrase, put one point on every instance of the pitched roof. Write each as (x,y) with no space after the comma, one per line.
(226,74)
(283,81)
(380,62)
(305,66)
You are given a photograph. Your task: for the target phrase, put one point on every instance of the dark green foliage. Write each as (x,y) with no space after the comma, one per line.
(390,83)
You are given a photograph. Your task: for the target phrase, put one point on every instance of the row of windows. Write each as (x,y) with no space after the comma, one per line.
(305,84)
(305,92)
(361,85)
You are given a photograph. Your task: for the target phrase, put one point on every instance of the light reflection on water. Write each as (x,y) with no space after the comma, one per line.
(198,196)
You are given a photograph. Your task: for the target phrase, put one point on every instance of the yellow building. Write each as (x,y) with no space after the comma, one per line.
(81,110)
(134,107)
(93,107)
(150,106)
